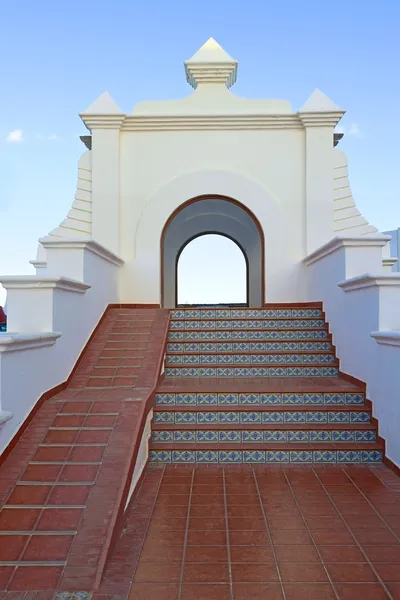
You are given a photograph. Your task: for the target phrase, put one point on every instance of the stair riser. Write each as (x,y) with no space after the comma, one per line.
(252,372)
(217,348)
(259,437)
(253,359)
(186,418)
(248,324)
(258,399)
(266,457)
(295,313)
(318,334)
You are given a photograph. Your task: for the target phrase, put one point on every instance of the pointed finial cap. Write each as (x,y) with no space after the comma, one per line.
(103,113)
(103,105)
(320,111)
(319,102)
(211,64)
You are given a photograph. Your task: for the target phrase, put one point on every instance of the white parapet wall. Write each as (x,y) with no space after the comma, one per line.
(362,304)
(50,318)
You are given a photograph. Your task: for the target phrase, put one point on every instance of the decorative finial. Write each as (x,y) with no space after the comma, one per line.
(211,64)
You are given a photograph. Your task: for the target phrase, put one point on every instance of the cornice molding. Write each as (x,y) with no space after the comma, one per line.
(33,282)
(370,280)
(389,261)
(102,121)
(321,119)
(38,264)
(12,342)
(387,338)
(82,244)
(350,241)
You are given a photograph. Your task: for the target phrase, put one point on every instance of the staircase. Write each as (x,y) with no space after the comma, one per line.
(258,386)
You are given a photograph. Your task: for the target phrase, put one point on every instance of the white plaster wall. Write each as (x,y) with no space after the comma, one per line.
(25,375)
(262,169)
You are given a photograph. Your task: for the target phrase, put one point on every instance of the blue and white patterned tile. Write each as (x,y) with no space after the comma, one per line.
(316,417)
(366,436)
(230,456)
(295,372)
(257,346)
(207,417)
(334,398)
(183,456)
(206,456)
(271,399)
(301,456)
(338,417)
(348,456)
(295,417)
(297,436)
(320,436)
(162,436)
(249,399)
(250,417)
(228,417)
(184,436)
(207,314)
(260,372)
(330,371)
(371,456)
(254,456)
(238,314)
(224,399)
(175,335)
(177,325)
(272,417)
(224,335)
(359,417)
(177,314)
(343,435)
(186,399)
(207,436)
(292,398)
(313,399)
(324,456)
(312,372)
(164,417)
(277,456)
(229,436)
(225,347)
(252,436)
(192,314)
(242,359)
(185,417)
(204,399)
(72,596)
(354,398)
(209,359)
(160,456)
(187,372)
(165,399)
(211,372)
(171,372)
(259,359)
(223,314)
(224,359)
(279,436)
(225,372)
(174,360)
(190,359)
(174,347)
(243,372)
(277,372)
(240,347)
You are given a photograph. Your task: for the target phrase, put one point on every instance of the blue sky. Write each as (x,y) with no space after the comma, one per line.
(57,57)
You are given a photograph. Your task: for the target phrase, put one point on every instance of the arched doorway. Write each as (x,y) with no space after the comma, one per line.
(212,215)
(212,269)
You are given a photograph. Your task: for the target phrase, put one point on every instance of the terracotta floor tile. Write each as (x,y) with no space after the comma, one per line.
(158,573)
(198,591)
(41,473)
(257,591)
(69,495)
(394,590)
(302,572)
(296,553)
(60,437)
(310,591)
(206,573)
(351,572)
(388,571)
(79,473)
(217,511)
(244,511)
(93,437)
(36,578)
(252,554)
(206,538)
(154,591)
(162,553)
(250,572)
(369,538)
(11,546)
(51,453)
(248,538)
(167,524)
(207,499)
(332,537)
(377,554)
(161,512)
(173,500)
(63,519)
(29,494)
(246,523)
(207,523)
(201,554)
(290,537)
(286,523)
(48,547)
(334,554)
(87,453)
(22,519)
(168,537)
(364,591)
(5,576)
(319,523)
(242,499)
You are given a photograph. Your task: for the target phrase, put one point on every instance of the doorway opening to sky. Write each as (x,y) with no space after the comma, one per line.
(212,270)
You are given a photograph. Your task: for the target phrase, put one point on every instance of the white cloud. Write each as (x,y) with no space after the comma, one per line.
(353,130)
(15,136)
(48,138)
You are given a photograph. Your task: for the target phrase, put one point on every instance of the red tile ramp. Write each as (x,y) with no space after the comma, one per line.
(65,482)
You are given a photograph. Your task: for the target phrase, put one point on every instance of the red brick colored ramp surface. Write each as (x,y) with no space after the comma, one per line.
(64,485)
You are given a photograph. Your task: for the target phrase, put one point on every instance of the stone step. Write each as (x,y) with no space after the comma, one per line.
(317,370)
(256,399)
(246,313)
(322,453)
(284,358)
(263,414)
(250,347)
(247,324)
(249,335)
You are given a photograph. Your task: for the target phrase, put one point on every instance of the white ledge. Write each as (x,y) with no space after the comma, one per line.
(348,241)
(82,244)
(38,264)
(389,261)
(387,338)
(33,282)
(5,416)
(369,280)
(11,342)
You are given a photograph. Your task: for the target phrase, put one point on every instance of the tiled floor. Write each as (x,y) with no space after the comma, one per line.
(243,533)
